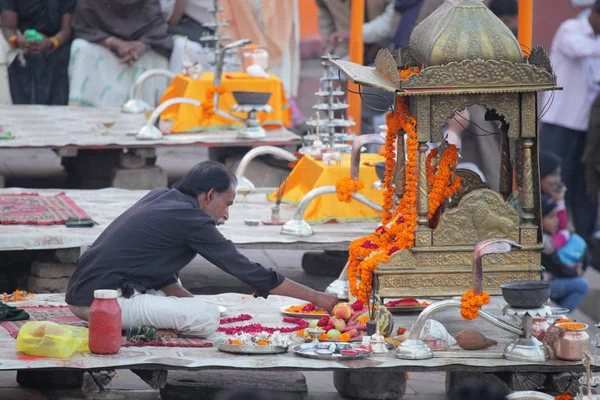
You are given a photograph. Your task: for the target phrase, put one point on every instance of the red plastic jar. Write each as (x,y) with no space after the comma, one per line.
(105,323)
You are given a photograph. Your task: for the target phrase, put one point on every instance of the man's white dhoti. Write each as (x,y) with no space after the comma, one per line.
(188,315)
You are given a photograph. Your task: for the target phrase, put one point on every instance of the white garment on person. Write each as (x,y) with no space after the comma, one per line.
(200,11)
(187,315)
(167,7)
(574,42)
(381,27)
(195,53)
(98,79)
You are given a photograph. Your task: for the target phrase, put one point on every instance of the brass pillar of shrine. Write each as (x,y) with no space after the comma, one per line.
(467,56)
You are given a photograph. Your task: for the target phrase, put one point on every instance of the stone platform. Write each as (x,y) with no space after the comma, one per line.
(95,157)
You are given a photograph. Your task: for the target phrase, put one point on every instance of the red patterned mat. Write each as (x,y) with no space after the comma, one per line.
(33,209)
(63,315)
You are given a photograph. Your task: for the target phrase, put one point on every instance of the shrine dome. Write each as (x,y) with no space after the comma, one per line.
(463,30)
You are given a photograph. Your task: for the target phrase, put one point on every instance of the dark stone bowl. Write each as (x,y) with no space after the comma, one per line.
(526,294)
(251,98)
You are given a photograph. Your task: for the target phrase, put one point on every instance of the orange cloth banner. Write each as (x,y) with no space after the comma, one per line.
(188,118)
(310,174)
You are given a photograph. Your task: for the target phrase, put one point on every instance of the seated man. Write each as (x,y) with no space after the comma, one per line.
(142,251)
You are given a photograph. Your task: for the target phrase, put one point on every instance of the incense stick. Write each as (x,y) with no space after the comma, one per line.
(282,183)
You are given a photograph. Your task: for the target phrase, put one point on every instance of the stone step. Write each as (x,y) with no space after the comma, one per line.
(220,385)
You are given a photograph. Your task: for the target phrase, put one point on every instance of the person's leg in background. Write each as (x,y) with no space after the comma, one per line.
(583,208)
(561,142)
(569,292)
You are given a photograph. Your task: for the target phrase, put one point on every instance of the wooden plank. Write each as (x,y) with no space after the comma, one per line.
(81,128)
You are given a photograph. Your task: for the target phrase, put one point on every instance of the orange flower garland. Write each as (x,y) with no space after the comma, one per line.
(390,157)
(471,303)
(565,396)
(208,105)
(345,187)
(441,185)
(397,231)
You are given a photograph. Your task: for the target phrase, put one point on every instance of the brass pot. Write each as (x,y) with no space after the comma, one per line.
(571,343)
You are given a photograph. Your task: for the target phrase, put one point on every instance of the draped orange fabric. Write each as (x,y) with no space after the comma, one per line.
(309,174)
(189,118)
(277,19)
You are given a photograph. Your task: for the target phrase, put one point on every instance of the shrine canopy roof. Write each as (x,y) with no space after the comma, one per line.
(461,48)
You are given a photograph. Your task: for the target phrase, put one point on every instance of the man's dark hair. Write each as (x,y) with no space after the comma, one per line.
(502,8)
(205,176)
(597,6)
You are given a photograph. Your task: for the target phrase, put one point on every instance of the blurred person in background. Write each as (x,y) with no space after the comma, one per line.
(575,58)
(507,11)
(334,26)
(381,19)
(189,17)
(115,42)
(39,75)
(274,25)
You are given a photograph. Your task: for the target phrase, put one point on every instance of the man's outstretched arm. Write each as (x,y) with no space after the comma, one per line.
(293,289)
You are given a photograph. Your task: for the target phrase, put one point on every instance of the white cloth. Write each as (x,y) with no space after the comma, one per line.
(572,47)
(187,315)
(381,27)
(185,49)
(200,11)
(97,79)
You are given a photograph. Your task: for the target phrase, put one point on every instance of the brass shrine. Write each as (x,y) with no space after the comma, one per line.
(467,56)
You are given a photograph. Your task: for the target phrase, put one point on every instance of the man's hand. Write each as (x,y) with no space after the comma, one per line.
(293,289)
(39,47)
(176,290)
(138,50)
(326,301)
(338,37)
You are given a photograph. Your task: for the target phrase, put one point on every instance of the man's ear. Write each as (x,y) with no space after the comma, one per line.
(211,195)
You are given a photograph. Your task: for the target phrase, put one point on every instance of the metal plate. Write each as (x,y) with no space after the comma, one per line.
(300,315)
(236,349)
(303,340)
(401,309)
(309,350)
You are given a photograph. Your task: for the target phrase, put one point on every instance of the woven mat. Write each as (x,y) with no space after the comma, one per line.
(63,315)
(33,209)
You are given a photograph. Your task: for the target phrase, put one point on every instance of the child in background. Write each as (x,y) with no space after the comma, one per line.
(568,287)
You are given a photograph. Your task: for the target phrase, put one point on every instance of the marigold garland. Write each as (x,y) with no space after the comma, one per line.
(345,187)
(17,295)
(208,105)
(565,396)
(471,303)
(397,229)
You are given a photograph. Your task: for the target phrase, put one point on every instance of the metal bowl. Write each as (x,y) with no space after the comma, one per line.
(526,294)
(251,98)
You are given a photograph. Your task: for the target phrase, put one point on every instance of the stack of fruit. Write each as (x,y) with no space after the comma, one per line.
(349,322)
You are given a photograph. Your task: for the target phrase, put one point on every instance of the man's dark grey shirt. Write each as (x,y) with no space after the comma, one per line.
(147,246)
